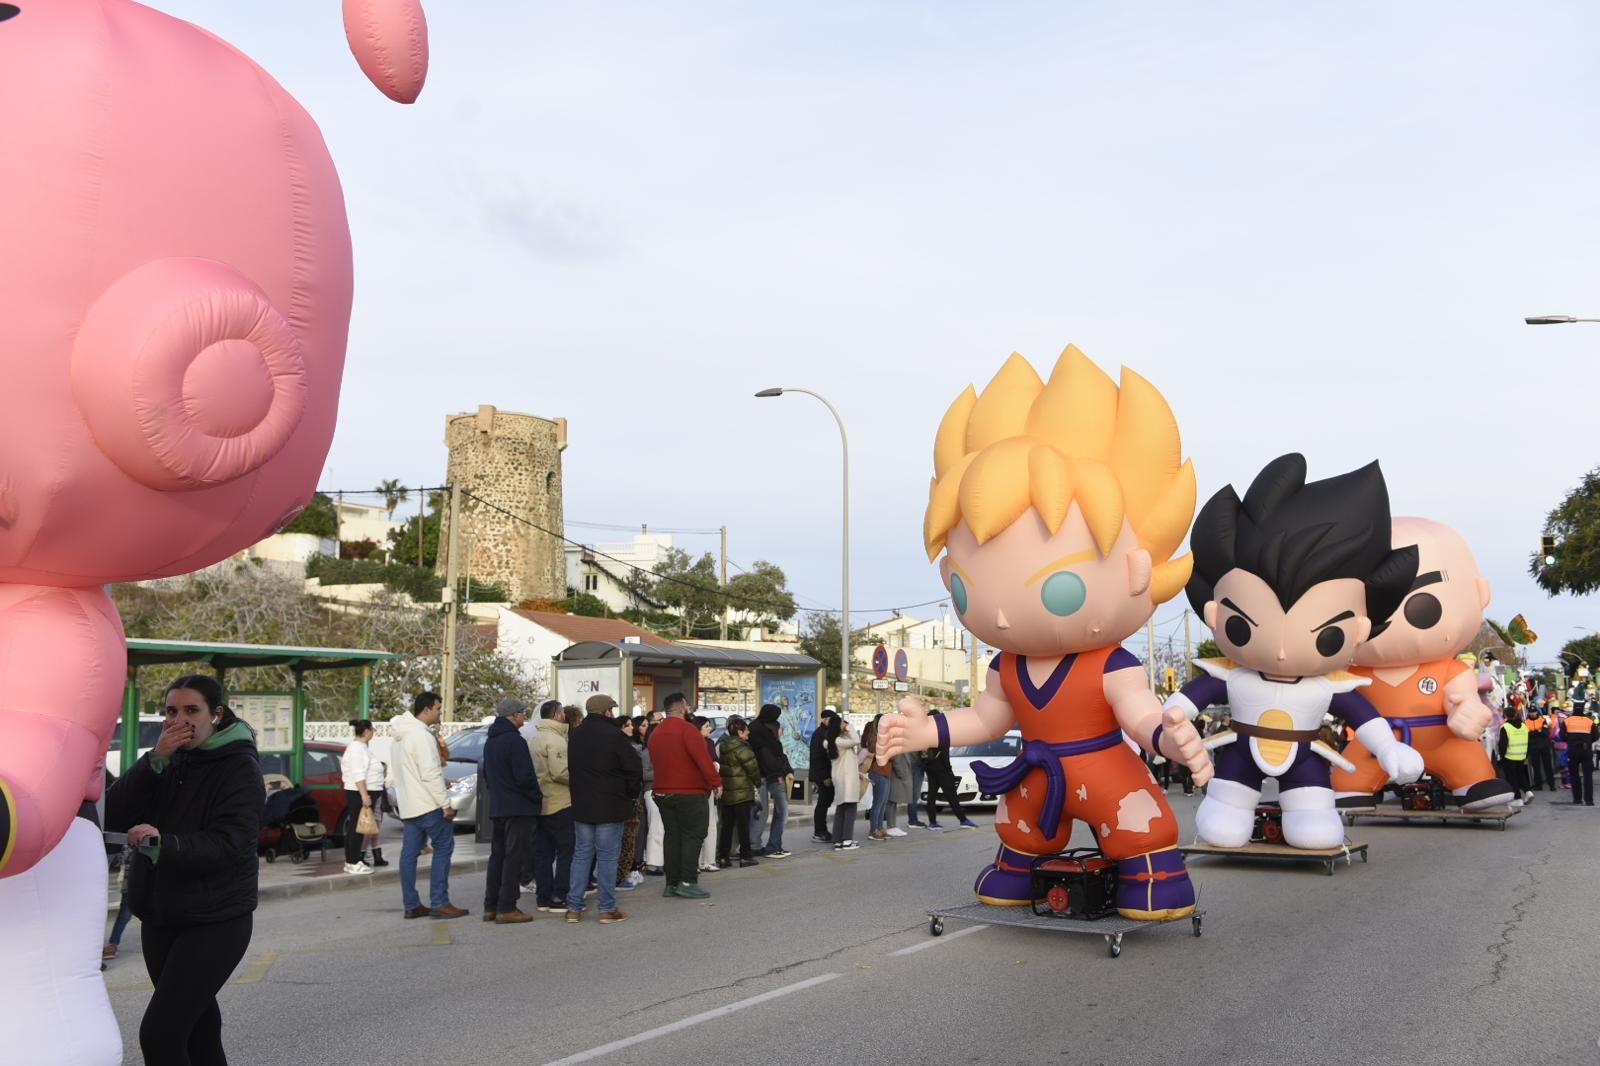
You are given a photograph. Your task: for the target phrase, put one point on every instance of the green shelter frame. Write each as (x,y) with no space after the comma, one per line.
(224,657)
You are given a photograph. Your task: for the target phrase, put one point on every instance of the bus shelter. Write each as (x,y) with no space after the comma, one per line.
(278,718)
(640,676)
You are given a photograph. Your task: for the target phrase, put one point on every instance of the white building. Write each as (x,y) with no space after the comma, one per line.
(938,651)
(368,521)
(602,570)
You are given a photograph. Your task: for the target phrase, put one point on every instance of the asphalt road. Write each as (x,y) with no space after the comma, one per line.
(1453,945)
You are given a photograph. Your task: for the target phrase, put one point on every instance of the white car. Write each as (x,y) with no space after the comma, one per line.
(996,752)
(149,733)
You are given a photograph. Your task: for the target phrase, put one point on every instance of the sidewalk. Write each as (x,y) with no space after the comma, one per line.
(283,879)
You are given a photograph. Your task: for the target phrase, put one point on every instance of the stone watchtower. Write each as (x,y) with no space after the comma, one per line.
(514,462)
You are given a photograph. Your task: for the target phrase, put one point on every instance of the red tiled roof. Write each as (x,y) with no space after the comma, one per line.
(579,628)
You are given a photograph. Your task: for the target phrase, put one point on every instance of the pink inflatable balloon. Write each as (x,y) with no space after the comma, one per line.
(390,41)
(174,301)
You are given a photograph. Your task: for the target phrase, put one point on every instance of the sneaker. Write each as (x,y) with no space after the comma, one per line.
(934,825)
(723,864)
(653,871)
(448,911)
(612,917)
(692,892)
(879,835)
(846,845)
(635,879)
(747,862)
(554,908)
(779,854)
(626,886)
(670,890)
(968,823)
(917,825)
(574,917)
(821,840)
(357,868)
(710,868)
(896,832)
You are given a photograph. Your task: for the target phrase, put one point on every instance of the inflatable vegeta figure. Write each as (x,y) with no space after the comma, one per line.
(1291,581)
(1057,509)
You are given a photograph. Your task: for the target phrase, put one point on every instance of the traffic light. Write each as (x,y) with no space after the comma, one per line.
(1547,549)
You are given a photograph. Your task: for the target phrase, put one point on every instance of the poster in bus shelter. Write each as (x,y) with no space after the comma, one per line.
(796,696)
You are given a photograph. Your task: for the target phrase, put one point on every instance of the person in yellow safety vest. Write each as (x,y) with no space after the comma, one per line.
(1578,731)
(1542,751)
(1513,749)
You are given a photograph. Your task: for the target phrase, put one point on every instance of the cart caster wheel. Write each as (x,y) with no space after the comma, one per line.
(271,857)
(1195,921)
(1330,869)
(297,859)
(936,926)
(1363,855)
(1114,946)
(1349,819)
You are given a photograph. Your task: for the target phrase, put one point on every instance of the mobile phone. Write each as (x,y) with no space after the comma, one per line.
(152,842)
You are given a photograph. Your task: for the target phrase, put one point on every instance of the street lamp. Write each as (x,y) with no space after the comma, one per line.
(844,627)
(1556,320)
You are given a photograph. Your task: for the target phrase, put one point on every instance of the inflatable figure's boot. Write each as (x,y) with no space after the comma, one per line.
(53,1005)
(63,664)
(1154,887)
(1227,816)
(1485,794)
(1008,881)
(1310,819)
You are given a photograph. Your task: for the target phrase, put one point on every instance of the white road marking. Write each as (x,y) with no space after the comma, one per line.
(936,941)
(694,1019)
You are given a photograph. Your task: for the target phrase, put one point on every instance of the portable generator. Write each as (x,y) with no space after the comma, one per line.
(1269,825)
(1429,794)
(1077,883)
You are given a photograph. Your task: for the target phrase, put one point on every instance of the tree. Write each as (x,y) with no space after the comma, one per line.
(762,594)
(394,494)
(690,589)
(819,638)
(318,519)
(640,587)
(1207,649)
(1575,525)
(249,604)
(365,548)
(1585,648)
(403,541)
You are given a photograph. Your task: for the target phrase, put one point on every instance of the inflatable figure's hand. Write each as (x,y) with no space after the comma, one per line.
(1401,762)
(390,41)
(1467,717)
(898,734)
(1181,742)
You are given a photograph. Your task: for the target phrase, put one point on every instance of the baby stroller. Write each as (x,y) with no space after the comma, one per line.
(289,824)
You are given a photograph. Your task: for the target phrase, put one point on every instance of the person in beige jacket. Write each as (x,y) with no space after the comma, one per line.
(552,849)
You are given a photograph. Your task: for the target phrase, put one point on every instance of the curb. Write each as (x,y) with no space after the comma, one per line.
(340,882)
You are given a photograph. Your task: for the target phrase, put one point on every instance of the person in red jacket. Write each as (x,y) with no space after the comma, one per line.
(685,779)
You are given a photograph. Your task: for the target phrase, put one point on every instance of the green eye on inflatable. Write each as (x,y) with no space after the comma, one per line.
(1063,593)
(958,592)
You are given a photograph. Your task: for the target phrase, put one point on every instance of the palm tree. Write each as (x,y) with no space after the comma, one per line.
(394,494)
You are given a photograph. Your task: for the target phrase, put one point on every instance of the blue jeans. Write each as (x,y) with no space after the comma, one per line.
(441,834)
(880,801)
(778,804)
(124,912)
(594,847)
(917,774)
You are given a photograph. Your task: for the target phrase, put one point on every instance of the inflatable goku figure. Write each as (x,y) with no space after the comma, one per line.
(1058,508)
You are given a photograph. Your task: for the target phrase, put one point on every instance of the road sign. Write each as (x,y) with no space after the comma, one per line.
(880,661)
(902,666)
(880,683)
(901,686)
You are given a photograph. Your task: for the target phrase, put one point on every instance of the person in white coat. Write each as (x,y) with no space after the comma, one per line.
(424,807)
(353,766)
(843,751)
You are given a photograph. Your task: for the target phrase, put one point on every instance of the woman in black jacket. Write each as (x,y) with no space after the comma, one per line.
(191,808)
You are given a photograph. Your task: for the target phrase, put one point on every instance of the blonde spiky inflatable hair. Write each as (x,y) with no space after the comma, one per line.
(1023,443)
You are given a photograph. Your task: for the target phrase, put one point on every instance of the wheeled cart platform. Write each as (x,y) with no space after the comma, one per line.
(1498,815)
(1113,929)
(1329,857)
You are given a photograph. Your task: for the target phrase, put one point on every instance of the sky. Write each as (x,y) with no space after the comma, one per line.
(1314,228)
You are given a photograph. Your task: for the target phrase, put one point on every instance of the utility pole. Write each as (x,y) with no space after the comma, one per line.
(724,582)
(1149,649)
(447,672)
(422,519)
(1188,655)
(972,668)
